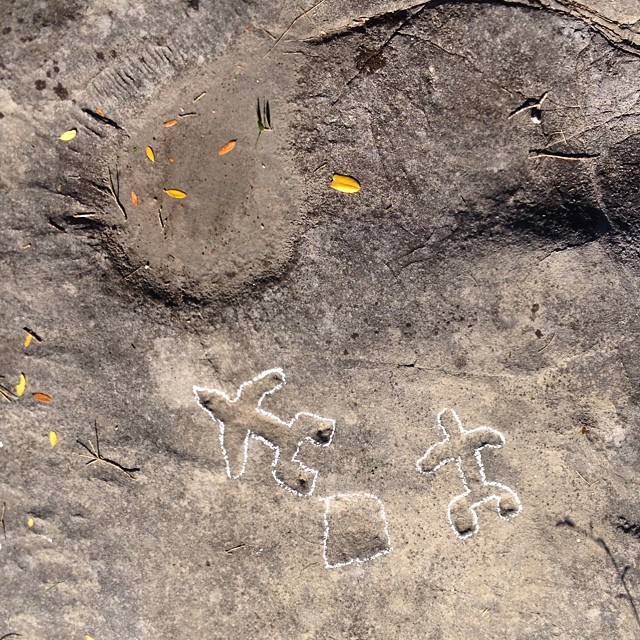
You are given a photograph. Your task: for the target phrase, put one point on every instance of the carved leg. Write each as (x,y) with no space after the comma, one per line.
(293,476)
(462,517)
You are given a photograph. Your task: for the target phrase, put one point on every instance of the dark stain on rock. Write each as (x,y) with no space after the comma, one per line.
(56,13)
(369,60)
(6,30)
(624,525)
(61,91)
(40,85)
(193,4)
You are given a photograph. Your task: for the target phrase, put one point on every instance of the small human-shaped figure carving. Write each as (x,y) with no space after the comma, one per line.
(242,417)
(465,447)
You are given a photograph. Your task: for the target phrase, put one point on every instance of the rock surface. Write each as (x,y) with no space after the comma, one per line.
(489,265)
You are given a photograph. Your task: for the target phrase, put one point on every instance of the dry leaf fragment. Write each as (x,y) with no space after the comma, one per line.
(21,386)
(346,184)
(53,438)
(225,148)
(134,198)
(88,637)
(150,154)
(41,397)
(27,340)
(30,523)
(65,136)
(170,123)
(170,160)
(33,334)
(175,193)
(100,112)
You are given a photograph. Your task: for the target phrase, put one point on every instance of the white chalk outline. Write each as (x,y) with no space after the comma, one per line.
(483,477)
(325,538)
(270,444)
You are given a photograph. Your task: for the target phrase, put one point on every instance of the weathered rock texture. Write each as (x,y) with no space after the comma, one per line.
(489,265)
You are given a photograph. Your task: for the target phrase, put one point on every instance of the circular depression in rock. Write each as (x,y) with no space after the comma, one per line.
(240,218)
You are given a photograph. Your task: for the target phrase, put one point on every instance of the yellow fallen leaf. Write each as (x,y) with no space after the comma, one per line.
(225,148)
(42,397)
(21,386)
(53,438)
(134,198)
(65,136)
(27,340)
(346,184)
(169,123)
(175,193)
(30,523)
(150,154)
(100,112)
(88,637)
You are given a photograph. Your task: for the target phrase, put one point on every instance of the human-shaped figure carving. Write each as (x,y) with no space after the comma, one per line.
(465,447)
(242,417)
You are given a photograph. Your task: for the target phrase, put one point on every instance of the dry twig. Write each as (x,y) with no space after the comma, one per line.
(540,153)
(284,33)
(114,191)
(96,456)
(4,529)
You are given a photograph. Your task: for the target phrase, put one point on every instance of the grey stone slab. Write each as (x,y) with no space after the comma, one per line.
(489,265)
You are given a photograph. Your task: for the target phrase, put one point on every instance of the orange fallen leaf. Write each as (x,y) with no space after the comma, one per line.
(41,397)
(171,160)
(150,154)
(27,340)
(225,148)
(346,184)
(100,112)
(134,198)
(169,123)
(175,193)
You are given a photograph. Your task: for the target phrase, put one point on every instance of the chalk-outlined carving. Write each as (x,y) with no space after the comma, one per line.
(367,542)
(465,448)
(242,417)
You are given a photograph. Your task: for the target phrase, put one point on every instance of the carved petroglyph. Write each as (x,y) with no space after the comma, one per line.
(355,529)
(465,447)
(242,417)
(355,524)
